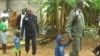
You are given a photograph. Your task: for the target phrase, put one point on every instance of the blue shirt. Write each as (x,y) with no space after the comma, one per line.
(59,48)
(16,41)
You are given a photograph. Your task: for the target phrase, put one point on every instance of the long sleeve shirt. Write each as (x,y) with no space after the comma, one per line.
(75,24)
(30,25)
(59,48)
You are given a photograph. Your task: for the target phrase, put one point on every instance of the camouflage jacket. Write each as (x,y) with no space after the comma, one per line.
(75,24)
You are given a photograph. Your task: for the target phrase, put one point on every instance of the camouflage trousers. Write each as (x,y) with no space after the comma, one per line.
(76,46)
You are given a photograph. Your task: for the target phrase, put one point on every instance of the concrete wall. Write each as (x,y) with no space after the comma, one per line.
(20,4)
(2,5)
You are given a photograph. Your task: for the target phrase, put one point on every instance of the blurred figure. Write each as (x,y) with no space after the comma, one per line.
(75,28)
(20,19)
(16,41)
(5,15)
(60,45)
(96,50)
(13,19)
(31,29)
(3,27)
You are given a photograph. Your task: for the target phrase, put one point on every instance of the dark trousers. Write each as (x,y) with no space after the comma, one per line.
(97,50)
(27,43)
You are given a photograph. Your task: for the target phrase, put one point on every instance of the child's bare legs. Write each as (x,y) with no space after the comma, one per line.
(4,48)
(19,53)
(16,54)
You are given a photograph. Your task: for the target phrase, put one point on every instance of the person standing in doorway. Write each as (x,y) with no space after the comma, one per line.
(19,20)
(13,19)
(31,29)
(75,28)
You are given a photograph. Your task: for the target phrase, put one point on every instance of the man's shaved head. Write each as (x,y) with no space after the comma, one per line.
(30,11)
(80,4)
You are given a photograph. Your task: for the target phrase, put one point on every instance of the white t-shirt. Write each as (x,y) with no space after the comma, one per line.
(4,15)
(22,16)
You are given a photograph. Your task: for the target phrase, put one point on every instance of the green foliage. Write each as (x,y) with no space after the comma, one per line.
(91,32)
(95,4)
(50,8)
(86,4)
(71,2)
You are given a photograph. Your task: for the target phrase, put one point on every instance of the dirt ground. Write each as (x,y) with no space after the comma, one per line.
(48,49)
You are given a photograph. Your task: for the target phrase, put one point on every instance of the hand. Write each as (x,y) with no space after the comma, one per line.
(21,38)
(71,39)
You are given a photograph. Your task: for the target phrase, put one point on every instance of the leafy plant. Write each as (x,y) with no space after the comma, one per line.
(53,13)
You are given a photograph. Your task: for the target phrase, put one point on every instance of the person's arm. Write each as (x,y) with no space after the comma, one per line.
(69,24)
(37,28)
(18,22)
(67,43)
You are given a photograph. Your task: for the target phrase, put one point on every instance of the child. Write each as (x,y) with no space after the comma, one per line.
(16,41)
(3,27)
(60,45)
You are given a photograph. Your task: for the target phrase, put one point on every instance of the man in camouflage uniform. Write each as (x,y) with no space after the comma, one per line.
(75,28)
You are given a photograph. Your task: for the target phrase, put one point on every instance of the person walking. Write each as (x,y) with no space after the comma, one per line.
(75,28)
(31,29)
(13,19)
